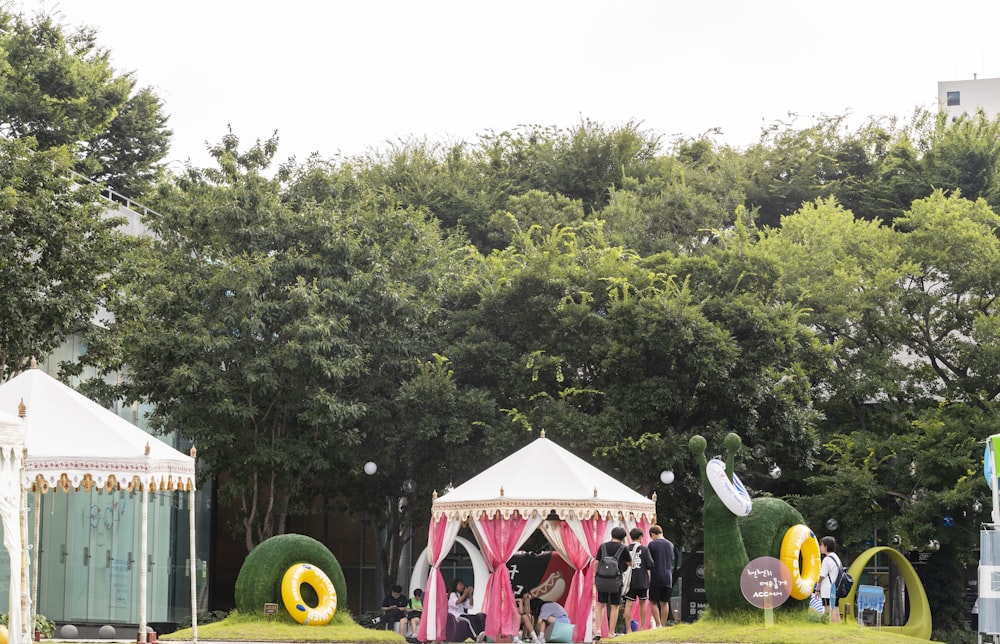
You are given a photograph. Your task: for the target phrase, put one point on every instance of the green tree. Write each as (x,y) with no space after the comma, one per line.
(622,360)
(57,86)
(949,295)
(844,274)
(59,252)
(236,329)
(684,198)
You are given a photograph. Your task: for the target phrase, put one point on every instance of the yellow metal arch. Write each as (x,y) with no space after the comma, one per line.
(919,622)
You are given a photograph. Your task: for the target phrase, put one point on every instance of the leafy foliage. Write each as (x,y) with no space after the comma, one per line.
(58,252)
(58,88)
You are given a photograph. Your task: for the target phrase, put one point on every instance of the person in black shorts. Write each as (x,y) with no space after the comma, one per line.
(661,577)
(638,587)
(609,603)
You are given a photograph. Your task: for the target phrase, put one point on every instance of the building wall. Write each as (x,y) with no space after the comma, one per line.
(966,96)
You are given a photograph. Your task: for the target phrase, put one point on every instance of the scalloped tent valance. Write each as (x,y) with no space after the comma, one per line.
(539,479)
(74,443)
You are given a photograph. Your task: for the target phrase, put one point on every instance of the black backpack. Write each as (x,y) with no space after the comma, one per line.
(844,581)
(608,578)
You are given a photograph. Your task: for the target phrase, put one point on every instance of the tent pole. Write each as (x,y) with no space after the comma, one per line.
(27,627)
(34,554)
(194,579)
(143,559)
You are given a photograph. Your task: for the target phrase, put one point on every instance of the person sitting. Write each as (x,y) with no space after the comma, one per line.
(415,610)
(460,604)
(528,617)
(548,614)
(394,610)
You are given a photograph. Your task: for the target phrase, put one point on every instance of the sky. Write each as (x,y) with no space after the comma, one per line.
(347,78)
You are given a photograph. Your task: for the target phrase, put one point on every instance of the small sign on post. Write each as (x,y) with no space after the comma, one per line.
(766,583)
(270,610)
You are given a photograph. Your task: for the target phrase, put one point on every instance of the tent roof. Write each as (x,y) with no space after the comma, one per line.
(540,478)
(11,431)
(74,441)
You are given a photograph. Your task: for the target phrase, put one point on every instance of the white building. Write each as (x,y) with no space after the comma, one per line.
(967,96)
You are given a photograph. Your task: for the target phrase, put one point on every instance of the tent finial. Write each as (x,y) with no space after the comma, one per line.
(22,409)
(654,497)
(147,448)
(34,363)
(194,452)
(595,491)
(434,495)
(501,490)
(541,434)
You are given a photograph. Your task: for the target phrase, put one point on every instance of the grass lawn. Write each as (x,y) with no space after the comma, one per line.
(789,628)
(282,628)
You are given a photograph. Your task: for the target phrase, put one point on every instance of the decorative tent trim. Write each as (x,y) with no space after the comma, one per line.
(41,474)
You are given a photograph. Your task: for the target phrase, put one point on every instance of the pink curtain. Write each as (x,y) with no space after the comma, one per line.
(434,624)
(581,556)
(499,538)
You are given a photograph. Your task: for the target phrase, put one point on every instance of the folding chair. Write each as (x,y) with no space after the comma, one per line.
(870,598)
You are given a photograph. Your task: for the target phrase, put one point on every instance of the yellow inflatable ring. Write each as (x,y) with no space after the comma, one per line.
(291,595)
(800,540)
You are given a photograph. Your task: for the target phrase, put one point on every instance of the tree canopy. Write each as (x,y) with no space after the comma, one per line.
(58,88)
(827,294)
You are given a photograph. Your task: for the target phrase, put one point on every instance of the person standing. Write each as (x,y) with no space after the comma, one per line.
(609,602)
(829,570)
(661,577)
(638,587)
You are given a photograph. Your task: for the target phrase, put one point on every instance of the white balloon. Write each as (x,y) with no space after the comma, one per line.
(370,468)
(667,477)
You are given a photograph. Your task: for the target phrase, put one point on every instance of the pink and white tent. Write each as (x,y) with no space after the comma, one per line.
(540,487)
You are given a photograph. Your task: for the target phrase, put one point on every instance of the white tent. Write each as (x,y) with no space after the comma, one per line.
(541,486)
(74,443)
(539,478)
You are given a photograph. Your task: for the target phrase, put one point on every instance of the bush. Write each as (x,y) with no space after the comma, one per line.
(43,625)
(259,581)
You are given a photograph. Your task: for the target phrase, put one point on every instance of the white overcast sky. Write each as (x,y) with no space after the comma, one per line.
(343,77)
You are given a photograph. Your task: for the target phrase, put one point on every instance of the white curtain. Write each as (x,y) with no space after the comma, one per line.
(10,513)
(442,538)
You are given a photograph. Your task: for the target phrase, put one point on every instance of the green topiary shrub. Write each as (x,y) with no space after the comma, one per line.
(259,581)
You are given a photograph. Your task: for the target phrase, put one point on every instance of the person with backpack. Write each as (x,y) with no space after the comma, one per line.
(637,589)
(612,560)
(829,571)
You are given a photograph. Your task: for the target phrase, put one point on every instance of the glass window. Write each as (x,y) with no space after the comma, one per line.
(954,98)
